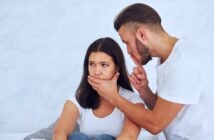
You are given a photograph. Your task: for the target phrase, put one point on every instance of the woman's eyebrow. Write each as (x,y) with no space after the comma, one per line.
(99,61)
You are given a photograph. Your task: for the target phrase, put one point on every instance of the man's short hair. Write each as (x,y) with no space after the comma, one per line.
(139,13)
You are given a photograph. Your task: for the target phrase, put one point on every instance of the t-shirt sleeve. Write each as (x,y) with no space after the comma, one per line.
(131,96)
(134,98)
(182,84)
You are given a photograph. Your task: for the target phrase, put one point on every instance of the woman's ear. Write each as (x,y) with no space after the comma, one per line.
(118,69)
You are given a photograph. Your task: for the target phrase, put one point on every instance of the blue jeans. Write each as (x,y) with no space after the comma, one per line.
(82,136)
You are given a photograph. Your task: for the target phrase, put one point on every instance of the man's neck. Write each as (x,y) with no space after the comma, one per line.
(165,46)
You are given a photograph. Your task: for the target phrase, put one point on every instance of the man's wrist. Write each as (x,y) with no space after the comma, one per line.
(144,92)
(115,99)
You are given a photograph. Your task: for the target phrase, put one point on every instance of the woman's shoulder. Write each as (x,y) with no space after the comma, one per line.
(123,91)
(73,99)
(130,95)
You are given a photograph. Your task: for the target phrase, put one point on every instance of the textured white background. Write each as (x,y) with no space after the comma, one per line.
(43,43)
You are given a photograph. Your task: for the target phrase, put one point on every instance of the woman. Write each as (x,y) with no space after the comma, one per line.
(99,119)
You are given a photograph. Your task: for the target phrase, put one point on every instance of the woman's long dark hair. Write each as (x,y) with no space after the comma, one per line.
(85,94)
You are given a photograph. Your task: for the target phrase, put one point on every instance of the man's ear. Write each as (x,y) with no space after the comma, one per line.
(141,34)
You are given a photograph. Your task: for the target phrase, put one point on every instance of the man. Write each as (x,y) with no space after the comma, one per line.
(182,107)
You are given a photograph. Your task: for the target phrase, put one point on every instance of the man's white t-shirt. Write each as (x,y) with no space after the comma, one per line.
(111,124)
(185,78)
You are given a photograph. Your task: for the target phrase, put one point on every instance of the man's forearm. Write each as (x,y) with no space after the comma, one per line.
(148,97)
(137,113)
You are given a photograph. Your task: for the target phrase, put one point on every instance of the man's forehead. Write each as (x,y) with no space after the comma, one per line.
(122,33)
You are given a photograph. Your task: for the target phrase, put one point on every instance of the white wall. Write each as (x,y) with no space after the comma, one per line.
(43,42)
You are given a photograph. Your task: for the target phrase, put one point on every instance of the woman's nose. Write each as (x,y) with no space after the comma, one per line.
(97,70)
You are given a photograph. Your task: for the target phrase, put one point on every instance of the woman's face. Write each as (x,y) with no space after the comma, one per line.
(101,65)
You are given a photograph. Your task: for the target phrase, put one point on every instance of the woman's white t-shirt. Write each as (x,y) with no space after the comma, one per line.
(111,124)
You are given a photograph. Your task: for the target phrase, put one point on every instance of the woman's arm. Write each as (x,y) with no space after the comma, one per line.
(130,130)
(66,122)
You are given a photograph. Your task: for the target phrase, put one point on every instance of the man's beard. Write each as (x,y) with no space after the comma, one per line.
(144,52)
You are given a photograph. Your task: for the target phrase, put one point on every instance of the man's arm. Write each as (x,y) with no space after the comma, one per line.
(155,120)
(139,80)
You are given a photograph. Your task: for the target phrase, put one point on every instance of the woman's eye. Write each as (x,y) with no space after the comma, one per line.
(105,65)
(91,64)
